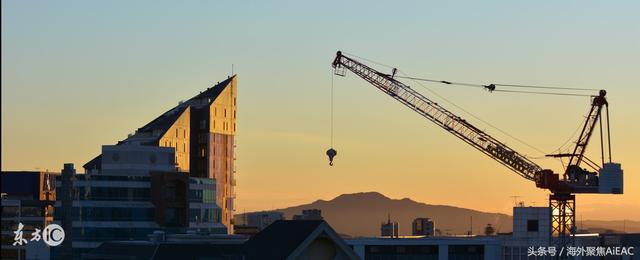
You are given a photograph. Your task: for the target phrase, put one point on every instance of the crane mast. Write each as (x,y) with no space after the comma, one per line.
(442,117)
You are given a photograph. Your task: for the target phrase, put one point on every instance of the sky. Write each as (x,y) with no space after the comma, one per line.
(80,74)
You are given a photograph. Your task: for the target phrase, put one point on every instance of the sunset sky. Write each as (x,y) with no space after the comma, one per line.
(80,74)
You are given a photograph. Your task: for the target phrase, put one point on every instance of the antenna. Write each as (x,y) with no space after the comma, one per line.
(471,226)
(515,200)
(581,222)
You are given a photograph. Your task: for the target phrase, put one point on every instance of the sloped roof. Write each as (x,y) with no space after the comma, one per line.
(95,163)
(213,92)
(163,122)
(170,251)
(283,239)
(123,250)
(287,239)
(280,239)
(164,251)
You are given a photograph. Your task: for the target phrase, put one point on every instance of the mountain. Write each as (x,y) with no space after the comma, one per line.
(360,214)
(608,226)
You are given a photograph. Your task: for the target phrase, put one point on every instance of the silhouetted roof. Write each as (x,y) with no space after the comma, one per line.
(95,163)
(165,251)
(164,121)
(280,239)
(213,92)
(172,251)
(123,250)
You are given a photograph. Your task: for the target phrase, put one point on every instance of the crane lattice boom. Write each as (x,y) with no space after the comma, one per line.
(442,117)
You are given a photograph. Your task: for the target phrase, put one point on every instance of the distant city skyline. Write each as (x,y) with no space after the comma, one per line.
(77,75)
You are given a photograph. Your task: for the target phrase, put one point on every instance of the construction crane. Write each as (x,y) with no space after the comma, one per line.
(606,179)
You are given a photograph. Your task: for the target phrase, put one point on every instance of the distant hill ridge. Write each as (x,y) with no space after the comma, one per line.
(360,214)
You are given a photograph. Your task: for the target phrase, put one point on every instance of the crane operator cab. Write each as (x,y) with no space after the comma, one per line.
(610,180)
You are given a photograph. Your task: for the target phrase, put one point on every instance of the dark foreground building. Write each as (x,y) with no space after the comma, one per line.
(284,239)
(27,198)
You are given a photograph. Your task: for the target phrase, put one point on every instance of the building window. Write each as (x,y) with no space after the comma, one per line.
(225,113)
(532,225)
(176,132)
(184,133)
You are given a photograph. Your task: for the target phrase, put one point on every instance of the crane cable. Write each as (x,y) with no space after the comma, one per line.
(331,153)
(490,87)
(474,116)
(331,141)
(369,60)
(542,93)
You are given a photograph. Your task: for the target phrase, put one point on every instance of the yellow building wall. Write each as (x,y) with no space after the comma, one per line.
(177,136)
(223,110)
(223,122)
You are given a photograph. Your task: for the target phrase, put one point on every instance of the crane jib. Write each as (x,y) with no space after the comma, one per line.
(442,117)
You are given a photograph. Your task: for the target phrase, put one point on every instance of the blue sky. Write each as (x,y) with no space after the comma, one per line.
(79,74)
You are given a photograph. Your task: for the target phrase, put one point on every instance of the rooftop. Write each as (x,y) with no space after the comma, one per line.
(150,133)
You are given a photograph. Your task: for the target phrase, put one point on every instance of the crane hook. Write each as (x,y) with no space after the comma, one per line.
(331,153)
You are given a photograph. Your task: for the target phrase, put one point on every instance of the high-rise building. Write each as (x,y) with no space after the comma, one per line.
(422,227)
(174,174)
(261,219)
(309,214)
(201,130)
(389,229)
